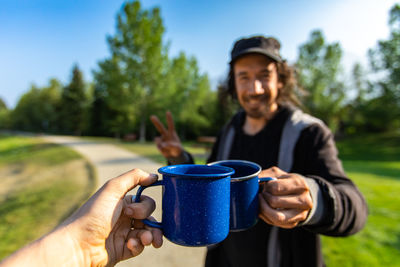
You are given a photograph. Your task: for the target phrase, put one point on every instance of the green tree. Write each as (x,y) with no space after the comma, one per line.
(112,111)
(319,72)
(4,115)
(139,54)
(384,109)
(37,110)
(2,104)
(73,106)
(188,96)
(139,79)
(225,106)
(356,118)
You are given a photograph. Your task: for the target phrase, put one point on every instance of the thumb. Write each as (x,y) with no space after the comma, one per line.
(129,180)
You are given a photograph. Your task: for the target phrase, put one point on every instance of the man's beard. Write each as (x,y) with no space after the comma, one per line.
(259,112)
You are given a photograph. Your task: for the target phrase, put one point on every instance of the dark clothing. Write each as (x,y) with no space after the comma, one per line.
(314,156)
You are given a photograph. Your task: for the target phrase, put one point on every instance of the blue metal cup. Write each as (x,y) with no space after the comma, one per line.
(244,190)
(195,204)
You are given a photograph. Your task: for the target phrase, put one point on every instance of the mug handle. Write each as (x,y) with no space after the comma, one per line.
(137,199)
(265,179)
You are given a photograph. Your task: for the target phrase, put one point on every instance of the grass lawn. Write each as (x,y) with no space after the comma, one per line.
(373,163)
(40,185)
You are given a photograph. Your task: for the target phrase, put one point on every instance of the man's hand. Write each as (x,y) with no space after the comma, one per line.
(286,201)
(168,143)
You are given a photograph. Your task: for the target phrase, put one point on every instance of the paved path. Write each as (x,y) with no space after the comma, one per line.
(110,161)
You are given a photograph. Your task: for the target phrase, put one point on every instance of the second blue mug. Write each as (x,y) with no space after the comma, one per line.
(244,190)
(195,204)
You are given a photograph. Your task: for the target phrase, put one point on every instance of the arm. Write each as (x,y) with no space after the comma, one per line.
(55,249)
(317,195)
(104,231)
(344,210)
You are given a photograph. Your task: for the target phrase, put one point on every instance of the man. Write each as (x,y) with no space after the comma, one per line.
(311,195)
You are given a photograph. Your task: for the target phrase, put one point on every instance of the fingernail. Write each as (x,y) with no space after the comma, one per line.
(134,242)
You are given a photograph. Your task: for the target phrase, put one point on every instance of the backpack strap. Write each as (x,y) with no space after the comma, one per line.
(226,142)
(226,139)
(296,122)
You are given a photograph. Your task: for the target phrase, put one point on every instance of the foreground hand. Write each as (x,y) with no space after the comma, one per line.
(286,201)
(169,143)
(103,226)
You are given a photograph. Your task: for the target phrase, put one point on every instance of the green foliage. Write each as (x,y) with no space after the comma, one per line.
(188,96)
(74,104)
(37,110)
(384,108)
(2,104)
(224,107)
(4,115)
(319,71)
(112,106)
(356,120)
(127,83)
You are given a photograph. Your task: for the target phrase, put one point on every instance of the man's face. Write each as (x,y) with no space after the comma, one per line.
(257,85)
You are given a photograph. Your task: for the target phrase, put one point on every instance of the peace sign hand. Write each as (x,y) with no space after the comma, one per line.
(168,143)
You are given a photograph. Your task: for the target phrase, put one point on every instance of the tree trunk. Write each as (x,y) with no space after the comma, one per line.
(142,132)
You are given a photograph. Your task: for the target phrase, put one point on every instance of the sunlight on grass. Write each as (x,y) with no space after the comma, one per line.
(378,244)
(41,184)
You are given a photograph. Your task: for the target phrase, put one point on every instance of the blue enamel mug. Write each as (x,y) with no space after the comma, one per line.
(195,203)
(244,190)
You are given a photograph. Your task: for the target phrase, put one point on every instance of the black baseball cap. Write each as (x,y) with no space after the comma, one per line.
(267,46)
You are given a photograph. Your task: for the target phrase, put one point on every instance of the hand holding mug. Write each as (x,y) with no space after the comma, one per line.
(284,202)
(106,229)
(168,143)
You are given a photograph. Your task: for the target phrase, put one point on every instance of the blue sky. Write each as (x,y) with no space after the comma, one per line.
(41,39)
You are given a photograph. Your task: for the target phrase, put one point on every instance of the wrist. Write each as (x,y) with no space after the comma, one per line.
(68,245)
(316,213)
(182,158)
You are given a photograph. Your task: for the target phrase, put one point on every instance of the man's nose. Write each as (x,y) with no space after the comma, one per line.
(256,87)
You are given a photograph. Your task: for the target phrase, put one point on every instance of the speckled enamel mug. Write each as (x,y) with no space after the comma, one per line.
(195,203)
(244,189)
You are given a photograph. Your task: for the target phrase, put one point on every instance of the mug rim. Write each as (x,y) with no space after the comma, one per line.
(243,178)
(224,171)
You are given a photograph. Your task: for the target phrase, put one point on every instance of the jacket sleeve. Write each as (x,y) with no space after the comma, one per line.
(344,207)
(184,158)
